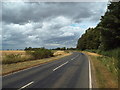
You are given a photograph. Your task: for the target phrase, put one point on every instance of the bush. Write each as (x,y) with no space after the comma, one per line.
(40,53)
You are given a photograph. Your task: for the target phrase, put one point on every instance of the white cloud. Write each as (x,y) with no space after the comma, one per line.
(67,34)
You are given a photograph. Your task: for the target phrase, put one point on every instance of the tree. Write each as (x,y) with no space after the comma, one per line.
(106,35)
(110,30)
(89,40)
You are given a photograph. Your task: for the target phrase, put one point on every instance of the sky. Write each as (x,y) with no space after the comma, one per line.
(47,24)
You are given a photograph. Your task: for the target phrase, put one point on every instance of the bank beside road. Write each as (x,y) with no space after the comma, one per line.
(104,73)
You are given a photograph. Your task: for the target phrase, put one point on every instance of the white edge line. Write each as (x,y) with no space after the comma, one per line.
(26,85)
(60,66)
(90,79)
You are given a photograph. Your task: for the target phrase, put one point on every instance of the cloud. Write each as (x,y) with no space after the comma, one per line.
(47,24)
(23,12)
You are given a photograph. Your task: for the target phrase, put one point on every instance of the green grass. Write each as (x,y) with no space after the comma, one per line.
(111,58)
(106,68)
(105,75)
(110,64)
(111,53)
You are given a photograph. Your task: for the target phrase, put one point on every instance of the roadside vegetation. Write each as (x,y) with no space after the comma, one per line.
(105,70)
(104,39)
(111,56)
(107,67)
(28,54)
(19,60)
(33,54)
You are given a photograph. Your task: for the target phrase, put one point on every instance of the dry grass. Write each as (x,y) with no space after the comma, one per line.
(59,53)
(93,54)
(13,56)
(4,53)
(12,52)
(9,68)
(105,78)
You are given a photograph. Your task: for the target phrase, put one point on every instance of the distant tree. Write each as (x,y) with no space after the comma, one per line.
(71,48)
(63,48)
(58,48)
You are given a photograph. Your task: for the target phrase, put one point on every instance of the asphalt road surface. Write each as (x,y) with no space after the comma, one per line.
(68,72)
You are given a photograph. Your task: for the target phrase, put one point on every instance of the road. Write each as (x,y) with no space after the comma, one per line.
(68,72)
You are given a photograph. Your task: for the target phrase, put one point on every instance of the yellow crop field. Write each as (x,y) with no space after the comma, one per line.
(12,52)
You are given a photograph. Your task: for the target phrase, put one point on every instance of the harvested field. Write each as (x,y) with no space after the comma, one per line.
(12,52)
(59,53)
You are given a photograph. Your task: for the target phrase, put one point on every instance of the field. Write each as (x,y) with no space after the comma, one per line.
(9,57)
(4,53)
(12,52)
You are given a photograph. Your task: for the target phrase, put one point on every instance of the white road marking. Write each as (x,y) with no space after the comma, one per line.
(26,85)
(60,66)
(90,78)
(72,59)
(75,57)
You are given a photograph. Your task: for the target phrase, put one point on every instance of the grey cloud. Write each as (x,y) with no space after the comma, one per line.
(60,39)
(38,12)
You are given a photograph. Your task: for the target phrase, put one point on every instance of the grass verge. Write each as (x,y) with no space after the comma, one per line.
(105,71)
(10,68)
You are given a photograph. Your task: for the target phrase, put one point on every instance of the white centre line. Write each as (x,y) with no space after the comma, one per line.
(26,85)
(75,57)
(60,66)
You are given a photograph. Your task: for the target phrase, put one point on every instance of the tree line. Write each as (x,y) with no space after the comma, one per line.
(106,35)
(64,48)
(58,48)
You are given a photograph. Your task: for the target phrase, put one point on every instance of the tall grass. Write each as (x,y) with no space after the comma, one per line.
(30,55)
(110,63)
(14,58)
(111,58)
(111,53)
